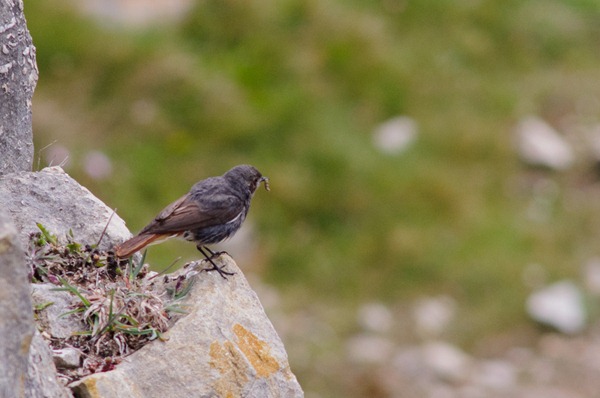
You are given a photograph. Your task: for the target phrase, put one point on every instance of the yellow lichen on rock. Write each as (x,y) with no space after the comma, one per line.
(230,363)
(256,351)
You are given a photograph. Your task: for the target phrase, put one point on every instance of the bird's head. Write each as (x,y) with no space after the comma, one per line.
(247,175)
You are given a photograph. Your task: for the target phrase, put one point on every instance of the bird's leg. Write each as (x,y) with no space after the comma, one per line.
(214,254)
(215,267)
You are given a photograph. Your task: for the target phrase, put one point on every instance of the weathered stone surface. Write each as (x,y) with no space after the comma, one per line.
(18,77)
(52,306)
(225,346)
(67,358)
(16,319)
(51,197)
(42,381)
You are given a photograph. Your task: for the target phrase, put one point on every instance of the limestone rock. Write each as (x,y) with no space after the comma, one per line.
(52,305)
(51,197)
(224,346)
(16,319)
(18,77)
(67,358)
(42,381)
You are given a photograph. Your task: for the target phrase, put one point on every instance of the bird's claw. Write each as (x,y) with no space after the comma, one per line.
(215,254)
(215,267)
(220,270)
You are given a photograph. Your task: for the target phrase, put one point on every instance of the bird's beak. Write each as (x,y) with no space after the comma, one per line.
(266,181)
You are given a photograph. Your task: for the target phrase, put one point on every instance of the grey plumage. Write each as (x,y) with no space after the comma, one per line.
(212,211)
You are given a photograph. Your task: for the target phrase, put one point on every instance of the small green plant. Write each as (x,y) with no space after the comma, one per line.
(42,306)
(73,290)
(45,236)
(134,270)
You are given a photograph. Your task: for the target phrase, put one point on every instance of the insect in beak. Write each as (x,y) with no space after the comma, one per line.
(266,181)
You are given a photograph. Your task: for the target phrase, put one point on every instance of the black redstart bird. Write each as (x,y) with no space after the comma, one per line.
(212,211)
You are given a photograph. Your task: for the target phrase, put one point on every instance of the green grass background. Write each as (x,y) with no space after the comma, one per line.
(296,88)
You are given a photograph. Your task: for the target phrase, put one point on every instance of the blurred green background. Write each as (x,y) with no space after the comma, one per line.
(297,88)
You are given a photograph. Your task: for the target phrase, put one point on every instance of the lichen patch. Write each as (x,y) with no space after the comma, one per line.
(256,351)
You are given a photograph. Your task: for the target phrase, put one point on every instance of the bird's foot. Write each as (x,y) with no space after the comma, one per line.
(220,270)
(215,267)
(215,254)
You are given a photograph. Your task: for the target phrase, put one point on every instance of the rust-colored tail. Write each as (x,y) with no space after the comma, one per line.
(137,243)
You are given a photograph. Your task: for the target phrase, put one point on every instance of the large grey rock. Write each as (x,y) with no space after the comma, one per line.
(18,77)
(225,347)
(16,319)
(51,197)
(42,381)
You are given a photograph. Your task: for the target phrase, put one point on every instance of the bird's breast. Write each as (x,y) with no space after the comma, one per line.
(216,233)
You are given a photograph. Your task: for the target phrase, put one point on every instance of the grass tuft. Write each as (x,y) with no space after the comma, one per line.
(115,300)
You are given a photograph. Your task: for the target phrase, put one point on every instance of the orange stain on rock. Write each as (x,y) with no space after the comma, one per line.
(231,361)
(231,365)
(256,351)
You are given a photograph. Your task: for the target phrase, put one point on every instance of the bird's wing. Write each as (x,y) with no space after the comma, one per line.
(187,213)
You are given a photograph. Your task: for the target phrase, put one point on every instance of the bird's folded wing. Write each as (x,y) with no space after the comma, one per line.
(188,213)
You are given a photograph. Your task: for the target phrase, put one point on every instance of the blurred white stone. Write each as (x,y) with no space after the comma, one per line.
(409,362)
(539,144)
(496,375)
(369,349)
(97,165)
(375,317)
(446,361)
(395,135)
(559,305)
(433,315)
(591,276)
